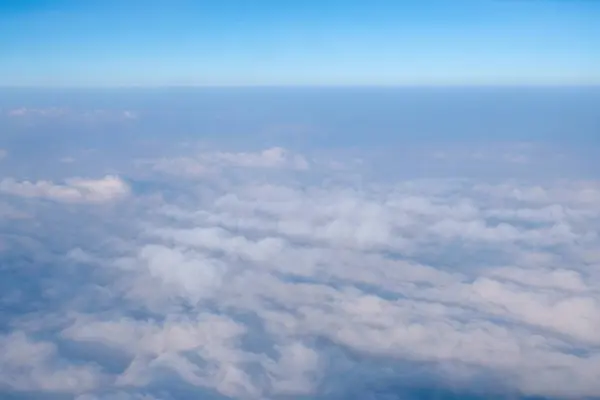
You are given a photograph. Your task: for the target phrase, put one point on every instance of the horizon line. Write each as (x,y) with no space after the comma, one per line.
(301,86)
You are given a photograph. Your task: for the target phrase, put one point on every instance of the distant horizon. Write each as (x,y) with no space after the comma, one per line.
(312,86)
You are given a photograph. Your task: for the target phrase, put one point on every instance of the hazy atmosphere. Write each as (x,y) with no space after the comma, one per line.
(299,200)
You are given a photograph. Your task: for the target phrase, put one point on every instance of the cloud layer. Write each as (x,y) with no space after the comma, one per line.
(211,163)
(73,190)
(252,285)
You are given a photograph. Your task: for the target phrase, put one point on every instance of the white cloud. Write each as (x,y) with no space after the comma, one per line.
(274,157)
(153,346)
(295,371)
(211,163)
(37,112)
(562,279)
(27,365)
(247,289)
(350,265)
(67,160)
(119,395)
(74,190)
(517,158)
(581,194)
(68,113)
(8,211)
(183,167)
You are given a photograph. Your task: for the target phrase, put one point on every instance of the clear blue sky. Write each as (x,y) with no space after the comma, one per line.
(298,42)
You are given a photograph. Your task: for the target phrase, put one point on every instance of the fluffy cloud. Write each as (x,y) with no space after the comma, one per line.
(256,288)
(349,265)
(74,190)
(33,366)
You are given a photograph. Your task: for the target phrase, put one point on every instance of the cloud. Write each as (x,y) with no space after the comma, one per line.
(67,160)
(208,163)
(68,113)
(119,395)
(7,211)
(319,262)
(183,167)
(270,158)
(155,346)
(74,190)
(30,366)
(282,286)
(3,154)
(43,112)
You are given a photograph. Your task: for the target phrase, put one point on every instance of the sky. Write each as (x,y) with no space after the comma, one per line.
(65,43)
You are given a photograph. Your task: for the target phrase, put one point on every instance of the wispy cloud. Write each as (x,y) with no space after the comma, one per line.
(69,113)
(74,190)
(210,163)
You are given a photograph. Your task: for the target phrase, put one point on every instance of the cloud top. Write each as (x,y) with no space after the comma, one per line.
(74,190)
(269,285)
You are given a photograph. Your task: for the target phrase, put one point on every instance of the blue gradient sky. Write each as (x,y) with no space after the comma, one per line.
(308,42)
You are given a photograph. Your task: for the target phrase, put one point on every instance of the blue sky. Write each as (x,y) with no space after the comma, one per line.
(266,42)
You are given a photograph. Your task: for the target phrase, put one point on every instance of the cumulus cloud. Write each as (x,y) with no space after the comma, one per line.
(74,190)
(256,289)
(33,366)
(350,266)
